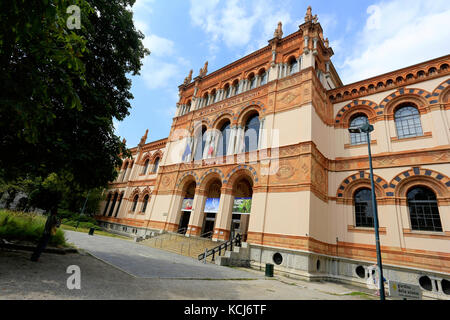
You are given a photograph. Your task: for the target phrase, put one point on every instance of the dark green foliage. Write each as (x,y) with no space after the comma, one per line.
(61,90)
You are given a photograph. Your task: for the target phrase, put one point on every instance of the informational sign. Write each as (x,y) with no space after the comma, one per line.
(242,205)
(212,205)
(187,204)
(404,290)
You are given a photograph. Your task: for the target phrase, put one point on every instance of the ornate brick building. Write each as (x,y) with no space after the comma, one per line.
(261,147)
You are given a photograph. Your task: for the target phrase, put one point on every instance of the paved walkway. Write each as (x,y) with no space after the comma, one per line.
(133,271)
(146,262)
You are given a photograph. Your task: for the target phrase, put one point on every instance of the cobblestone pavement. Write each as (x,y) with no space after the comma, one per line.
(119,269)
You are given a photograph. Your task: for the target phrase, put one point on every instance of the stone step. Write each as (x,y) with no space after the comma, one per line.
(180,244)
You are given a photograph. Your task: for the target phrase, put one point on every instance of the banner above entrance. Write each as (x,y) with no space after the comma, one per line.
(242,205)
(187,204)
(212,205)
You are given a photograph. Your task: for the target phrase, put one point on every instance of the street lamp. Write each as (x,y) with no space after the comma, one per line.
(367,128)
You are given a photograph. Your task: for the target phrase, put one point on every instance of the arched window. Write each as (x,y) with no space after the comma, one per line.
(144,205)
(358,121)
(407,122)
(293,66)
(212,99)
(263,76)
(135,201)
(200,143)
(118,206)
(423,209)
(363,208)
(188,106)
(155,165)
(144,170)
(111,210)
(235,87)
(205,99)
(225,138)
(252,81)
(125,171)
(251,133)
(108,199)
(227,91)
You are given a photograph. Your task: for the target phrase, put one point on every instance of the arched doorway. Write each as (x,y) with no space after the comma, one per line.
(211,206)
(242,204)
(186,206)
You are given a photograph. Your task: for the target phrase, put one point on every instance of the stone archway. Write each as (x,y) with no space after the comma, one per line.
(242,193)
(187,199)
(211,208)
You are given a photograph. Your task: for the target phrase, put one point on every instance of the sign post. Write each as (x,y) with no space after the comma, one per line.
(404,290)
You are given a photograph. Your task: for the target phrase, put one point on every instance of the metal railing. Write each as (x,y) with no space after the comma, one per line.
(209,232)
(223,246)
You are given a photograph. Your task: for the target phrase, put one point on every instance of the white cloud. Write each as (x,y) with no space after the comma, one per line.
(143,5)
(159,74)
(237,23)
(163,68)
(398,34)
(158,46)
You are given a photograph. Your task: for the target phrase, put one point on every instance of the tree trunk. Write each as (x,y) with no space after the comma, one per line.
(46,235)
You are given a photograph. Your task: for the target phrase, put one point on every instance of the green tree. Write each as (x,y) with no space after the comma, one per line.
(61,91)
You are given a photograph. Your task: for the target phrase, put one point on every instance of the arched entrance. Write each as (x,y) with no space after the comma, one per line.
(211,206)
(186,206)
(242,203)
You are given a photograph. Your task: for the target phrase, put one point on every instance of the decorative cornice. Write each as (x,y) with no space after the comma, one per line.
(420,72)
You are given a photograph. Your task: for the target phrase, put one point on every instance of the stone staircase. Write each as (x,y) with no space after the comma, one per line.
(180,244)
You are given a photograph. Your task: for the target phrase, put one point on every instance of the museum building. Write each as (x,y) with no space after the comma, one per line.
(262,148)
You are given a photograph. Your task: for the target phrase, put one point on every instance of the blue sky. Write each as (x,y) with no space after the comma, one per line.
(369,37)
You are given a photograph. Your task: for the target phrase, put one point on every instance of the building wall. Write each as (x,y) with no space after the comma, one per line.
(305,171)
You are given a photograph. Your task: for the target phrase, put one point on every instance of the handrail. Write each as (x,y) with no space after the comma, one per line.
(223,246)
(177,232)
(206,233)
(181,229)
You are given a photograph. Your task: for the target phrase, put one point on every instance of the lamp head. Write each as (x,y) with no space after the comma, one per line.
(364,128)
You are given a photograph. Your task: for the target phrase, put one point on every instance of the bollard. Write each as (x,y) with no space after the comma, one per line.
(269,270)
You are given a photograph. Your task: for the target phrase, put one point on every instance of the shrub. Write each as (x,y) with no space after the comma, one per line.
(26,227)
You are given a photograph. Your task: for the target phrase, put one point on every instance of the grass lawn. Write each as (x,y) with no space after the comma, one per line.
(99,232)
(27,227)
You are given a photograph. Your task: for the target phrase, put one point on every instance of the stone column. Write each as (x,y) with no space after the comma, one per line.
(174,213)
(239,138)
(299,63)
(197,216)
(257,80)
(306,48)
(223,217)
(272,73)
(230,147)
(261,128)
(241,85)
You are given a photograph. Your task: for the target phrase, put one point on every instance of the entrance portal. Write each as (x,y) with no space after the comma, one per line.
(182,227)
(211,207)
(242,203)
(186,207)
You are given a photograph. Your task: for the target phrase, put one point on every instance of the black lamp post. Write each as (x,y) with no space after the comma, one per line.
(367,128)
